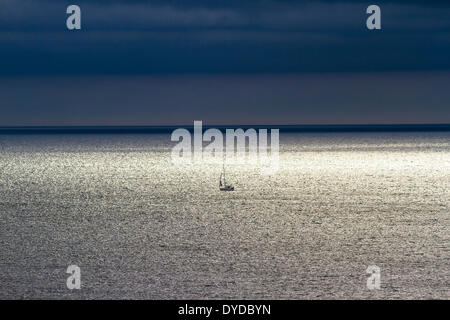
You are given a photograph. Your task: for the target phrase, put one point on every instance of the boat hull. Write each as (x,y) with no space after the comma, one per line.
(227,188)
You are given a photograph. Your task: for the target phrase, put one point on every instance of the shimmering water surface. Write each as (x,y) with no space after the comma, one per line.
(139,226)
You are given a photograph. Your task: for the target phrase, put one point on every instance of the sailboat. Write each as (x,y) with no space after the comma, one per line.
(223,186)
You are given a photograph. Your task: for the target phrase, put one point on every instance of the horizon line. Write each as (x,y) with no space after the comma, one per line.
(107,129)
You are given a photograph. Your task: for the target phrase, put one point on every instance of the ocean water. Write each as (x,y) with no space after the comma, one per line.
(141,227)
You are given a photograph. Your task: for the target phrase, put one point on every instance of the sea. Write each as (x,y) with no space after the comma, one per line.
(139,226)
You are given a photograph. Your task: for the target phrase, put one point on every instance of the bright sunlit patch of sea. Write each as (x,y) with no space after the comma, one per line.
(141,227)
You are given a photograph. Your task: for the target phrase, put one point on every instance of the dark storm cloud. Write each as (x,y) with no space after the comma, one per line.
(223,62)
(144,37)
(140,15)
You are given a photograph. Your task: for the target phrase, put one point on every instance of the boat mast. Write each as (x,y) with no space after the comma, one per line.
(224,181)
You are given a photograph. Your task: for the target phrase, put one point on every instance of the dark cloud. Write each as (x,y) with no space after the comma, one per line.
(29,15)
(139,62)
(144,37)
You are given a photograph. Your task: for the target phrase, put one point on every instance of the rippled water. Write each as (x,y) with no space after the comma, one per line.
(140,227)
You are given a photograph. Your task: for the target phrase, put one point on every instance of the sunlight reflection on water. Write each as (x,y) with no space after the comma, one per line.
(141,227)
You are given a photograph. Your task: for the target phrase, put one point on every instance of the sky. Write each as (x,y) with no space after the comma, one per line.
(223,62)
